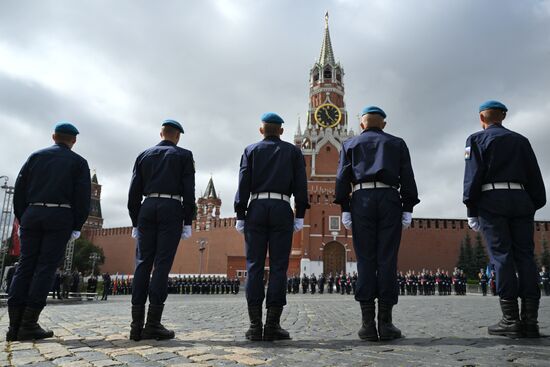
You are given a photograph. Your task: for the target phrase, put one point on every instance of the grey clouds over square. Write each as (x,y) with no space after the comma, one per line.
(117,69)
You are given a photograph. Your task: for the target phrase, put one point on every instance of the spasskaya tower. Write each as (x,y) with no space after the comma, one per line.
(324,245)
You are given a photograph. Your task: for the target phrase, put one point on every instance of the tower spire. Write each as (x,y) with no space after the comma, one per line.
(210,190)
(327,54)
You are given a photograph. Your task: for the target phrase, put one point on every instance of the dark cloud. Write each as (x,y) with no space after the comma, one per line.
(119,68)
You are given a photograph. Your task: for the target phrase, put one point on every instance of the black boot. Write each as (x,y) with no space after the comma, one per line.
(138,317)
(272,328)
(15,313)
(153,328)
(510,325)
(255,330)
(29,329)
(529,318)
(386,329)
(368,329)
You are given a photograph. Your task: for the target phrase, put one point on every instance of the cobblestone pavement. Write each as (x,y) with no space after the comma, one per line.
(440,331)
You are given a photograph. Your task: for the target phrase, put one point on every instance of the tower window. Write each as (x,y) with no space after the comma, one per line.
(316,76)
(327,74)
(339,77)
(327,149)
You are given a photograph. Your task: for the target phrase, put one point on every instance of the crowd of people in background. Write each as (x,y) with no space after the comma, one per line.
(412,283)
(340,283)
(428,282)
(179,285)
(66,282)
(425,283)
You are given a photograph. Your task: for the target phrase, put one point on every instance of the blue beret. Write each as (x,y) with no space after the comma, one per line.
(174,124)
(492,105)
(66,128)
(373,109)
(272,118)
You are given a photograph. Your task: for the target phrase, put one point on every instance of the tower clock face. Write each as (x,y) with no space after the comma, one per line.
(327,115)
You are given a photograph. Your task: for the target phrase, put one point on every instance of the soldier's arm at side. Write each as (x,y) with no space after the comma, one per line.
(408,190)
(300,185)
(189,190)
(82,194)
(535,185)
(343,181)
(472,177)
(20,194)
(135,194)
(243,192)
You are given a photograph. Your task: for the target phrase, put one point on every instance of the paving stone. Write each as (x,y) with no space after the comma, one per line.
(247,360)
(440,331)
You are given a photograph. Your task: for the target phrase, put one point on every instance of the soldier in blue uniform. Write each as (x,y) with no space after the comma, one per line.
(165,176)
(52,202)
(270,172)
(503,188)
(376,189)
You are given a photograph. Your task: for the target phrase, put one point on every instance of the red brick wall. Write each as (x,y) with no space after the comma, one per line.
(421,247)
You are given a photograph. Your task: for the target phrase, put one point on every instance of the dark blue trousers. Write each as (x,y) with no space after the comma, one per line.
(160,224)
(376,228)
(269,226)
(44,236)
(511,247)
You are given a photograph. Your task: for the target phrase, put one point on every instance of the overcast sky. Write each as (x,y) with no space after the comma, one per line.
(116,69)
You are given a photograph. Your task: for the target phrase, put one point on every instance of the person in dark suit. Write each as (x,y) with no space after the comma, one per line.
(165,176)
(270,172)
(503,188)
(52,202)
(376,190)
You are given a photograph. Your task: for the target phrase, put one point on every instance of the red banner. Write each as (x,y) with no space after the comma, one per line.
(15,240)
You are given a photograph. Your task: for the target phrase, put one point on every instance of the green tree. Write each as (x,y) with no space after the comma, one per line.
(480,256)
(545,254)
(82,251)
(461,263)
(469,266)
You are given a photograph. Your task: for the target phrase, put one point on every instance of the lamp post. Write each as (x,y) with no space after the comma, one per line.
(202,242)
(94,257)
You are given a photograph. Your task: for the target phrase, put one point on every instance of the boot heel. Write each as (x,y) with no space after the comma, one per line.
(272,328)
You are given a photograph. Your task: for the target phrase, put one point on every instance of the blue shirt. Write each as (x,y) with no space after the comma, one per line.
(497,154)
(272,165)
(55,175)
(163,169)
(375,156)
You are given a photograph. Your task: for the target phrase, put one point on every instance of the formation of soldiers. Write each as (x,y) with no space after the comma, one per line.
(340,283)
(427,282)
(203,285)
(187,284)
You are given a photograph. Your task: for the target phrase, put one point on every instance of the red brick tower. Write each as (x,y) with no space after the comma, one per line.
(208,207)
(324,244)
(95,219)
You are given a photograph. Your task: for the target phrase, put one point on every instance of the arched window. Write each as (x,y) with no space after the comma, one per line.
(327,74)
(316,76)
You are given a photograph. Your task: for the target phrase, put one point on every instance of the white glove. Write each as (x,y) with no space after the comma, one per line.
(298,224)
(134,232)
(239,226)
(19,232)
(75,235)
(346,219)
(186,233)
(473,223)
(406,219)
